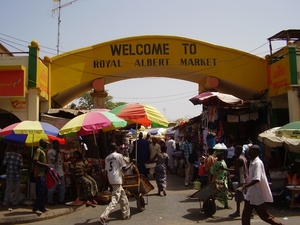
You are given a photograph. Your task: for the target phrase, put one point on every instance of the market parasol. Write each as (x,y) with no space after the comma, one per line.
(215,98)
(290,130)
(29,133)
(33,130)
(91,123)
(20,139)
(170,132)
(269,138)
(282,137)
(157,131)
(141,114)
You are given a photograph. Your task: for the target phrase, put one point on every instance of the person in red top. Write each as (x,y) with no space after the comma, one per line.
(202,173)
(292,176)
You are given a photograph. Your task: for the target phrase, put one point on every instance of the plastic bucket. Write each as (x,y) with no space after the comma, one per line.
(197,185)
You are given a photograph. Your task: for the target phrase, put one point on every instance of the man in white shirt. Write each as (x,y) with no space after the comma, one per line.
(114,166)
(170,149)
(154,148)
(258,193)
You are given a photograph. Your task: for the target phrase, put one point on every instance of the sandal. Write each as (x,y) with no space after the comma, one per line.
(88,203)
(233,215)
(94,202)
(102,220)
(164,192)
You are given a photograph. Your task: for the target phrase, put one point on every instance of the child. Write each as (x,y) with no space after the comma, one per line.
(202,173)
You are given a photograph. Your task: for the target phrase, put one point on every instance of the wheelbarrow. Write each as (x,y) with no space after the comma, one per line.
(137,185)
(208,194)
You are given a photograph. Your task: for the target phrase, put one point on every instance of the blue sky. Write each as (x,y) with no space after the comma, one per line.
(243,25)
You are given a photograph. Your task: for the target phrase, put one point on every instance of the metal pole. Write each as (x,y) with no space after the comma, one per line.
(58,25)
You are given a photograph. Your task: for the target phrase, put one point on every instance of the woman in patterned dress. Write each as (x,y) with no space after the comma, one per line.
(90,188)
(161,159)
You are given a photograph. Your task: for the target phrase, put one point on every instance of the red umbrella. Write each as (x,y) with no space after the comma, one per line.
(141,114)
(215,98)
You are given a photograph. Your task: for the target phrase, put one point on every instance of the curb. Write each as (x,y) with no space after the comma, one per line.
(26,215)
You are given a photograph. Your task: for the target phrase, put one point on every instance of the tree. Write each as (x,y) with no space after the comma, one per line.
(86,101)
(109,104)
(72,105)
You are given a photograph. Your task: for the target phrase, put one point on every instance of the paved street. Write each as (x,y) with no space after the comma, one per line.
(175,208)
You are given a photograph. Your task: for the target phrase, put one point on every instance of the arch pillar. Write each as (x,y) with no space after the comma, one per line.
(208,83)
(99,99)
(33,100)
(99,93)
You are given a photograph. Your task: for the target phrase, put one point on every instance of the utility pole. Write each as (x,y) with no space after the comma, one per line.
(59,20)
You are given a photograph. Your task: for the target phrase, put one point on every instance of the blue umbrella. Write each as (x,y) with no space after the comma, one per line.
(170,132)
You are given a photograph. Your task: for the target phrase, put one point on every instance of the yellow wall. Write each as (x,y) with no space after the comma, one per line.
(239,73)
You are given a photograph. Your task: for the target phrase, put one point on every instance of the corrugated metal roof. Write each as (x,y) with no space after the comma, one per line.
(75,112)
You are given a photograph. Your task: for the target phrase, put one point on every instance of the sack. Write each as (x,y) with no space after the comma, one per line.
(50,182)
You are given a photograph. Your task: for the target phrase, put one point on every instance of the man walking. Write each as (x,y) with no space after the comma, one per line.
(13,162)
(40,165)
(258,190)
(187,150)
(171,146)
(114,165)
(143,154)
(154,148)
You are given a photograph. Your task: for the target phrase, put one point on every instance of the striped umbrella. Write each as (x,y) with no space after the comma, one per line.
(29,133)
(91,123)
(141,114)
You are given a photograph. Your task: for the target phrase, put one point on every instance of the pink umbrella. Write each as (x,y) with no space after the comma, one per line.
(92,122)
(215,98)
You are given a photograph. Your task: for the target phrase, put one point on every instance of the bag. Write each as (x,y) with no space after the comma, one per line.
(54,175)
(52,178)
(50,182)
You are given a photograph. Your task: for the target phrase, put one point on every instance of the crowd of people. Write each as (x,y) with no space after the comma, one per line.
(47,160)
(225,163)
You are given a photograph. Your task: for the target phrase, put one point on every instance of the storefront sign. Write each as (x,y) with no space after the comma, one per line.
(18,104)
(155,54)
(12,83)
(43,80)
(279,77)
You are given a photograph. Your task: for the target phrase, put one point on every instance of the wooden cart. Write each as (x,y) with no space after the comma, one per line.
(137,185)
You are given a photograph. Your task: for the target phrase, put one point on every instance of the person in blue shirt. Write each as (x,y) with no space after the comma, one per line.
(187,150)
(13,162)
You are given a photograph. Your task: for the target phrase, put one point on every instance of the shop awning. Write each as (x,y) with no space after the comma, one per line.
(215,98)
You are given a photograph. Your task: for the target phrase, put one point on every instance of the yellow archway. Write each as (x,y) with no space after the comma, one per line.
(210,66)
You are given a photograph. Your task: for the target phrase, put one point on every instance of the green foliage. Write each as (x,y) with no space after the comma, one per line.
(86,102)
(72,105)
